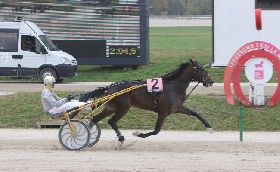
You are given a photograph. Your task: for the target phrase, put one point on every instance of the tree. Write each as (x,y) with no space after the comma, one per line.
(160,7)
(181,7)
(199,7)
(176,7)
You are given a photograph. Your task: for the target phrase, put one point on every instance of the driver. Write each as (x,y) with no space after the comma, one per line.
(53,105)
(27,43)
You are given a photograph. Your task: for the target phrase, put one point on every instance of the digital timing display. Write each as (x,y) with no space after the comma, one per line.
(123,51)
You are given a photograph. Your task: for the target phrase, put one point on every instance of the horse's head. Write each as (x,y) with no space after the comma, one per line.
(201,75)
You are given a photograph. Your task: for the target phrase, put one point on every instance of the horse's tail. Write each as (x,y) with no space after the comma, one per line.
(100,91)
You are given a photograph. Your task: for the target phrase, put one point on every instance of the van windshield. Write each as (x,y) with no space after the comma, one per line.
(48,43)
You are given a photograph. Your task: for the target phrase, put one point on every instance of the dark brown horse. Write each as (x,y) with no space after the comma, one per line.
(169,100)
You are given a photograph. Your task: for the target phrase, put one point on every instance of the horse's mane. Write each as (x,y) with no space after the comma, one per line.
(100,91)
(175,73)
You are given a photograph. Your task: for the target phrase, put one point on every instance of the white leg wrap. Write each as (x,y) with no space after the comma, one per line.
(209,130)
(136,133)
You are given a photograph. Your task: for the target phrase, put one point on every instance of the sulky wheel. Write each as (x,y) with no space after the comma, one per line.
(95,132)
(74,142)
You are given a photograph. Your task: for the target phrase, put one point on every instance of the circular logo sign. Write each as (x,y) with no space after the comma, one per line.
(259,70)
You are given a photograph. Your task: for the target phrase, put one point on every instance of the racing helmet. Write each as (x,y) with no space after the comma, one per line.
(49,80)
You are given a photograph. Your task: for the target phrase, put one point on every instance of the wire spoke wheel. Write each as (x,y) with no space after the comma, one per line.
(74,142)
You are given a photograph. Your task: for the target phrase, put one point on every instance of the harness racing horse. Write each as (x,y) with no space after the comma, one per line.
(169,100)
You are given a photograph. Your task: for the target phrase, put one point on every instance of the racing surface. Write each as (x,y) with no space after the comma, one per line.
(40,150)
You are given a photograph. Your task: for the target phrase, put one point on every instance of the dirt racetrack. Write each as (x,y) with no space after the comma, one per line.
(40,150)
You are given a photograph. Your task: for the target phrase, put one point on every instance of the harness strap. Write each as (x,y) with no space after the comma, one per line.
(154,95)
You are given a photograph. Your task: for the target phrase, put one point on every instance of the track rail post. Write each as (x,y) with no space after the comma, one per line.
(241,123)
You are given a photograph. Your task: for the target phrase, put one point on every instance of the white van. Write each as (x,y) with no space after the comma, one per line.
(26,52)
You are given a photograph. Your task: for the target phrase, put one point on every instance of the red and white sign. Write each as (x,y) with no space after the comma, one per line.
(235,65)
(259,70)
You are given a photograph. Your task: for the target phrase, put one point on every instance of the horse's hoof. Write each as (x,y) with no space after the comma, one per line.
(121,138)
(209,130)
(136,133)
(119,145)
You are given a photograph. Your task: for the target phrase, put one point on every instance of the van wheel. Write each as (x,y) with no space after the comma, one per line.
(47,71)
(59,80)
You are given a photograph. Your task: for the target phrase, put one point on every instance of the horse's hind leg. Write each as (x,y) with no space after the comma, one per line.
(184,110)
(101,115)
(113,122)
(114,126)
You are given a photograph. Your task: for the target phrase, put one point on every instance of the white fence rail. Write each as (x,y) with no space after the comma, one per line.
(186,17)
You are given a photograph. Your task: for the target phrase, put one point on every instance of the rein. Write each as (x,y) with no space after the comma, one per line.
(194,86)
(190,92)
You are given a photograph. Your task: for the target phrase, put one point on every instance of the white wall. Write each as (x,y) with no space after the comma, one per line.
(235,25)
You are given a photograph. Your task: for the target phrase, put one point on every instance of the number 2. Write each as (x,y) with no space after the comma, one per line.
(112,51)
(154,87)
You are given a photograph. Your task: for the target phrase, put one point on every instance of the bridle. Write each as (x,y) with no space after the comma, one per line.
(204,78)
(200,80)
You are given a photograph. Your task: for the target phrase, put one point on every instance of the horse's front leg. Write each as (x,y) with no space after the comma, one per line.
(182,109)
(159,123)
